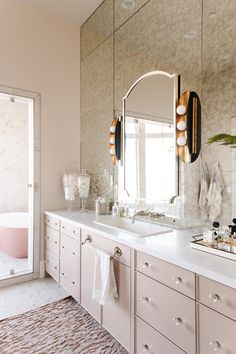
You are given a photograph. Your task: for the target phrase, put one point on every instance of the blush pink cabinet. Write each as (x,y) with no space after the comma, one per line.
(87,272)
(216,333)
(169,312)
(148,340)
(115,315)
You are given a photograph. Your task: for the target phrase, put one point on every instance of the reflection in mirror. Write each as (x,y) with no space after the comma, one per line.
(149,168)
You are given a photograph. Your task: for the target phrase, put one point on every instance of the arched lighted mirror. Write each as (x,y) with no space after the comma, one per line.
(149,170)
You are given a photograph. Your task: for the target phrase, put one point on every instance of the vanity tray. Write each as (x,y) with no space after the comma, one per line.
(201,245)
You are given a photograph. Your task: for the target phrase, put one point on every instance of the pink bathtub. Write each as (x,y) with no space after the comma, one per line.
(14,234)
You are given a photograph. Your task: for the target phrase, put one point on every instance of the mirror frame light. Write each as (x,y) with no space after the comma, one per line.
(176,79)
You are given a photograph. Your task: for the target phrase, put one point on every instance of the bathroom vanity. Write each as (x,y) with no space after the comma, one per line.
(172,299)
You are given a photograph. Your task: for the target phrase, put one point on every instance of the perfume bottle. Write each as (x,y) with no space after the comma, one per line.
(83,186)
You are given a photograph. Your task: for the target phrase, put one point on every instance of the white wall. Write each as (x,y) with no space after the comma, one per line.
(40,52)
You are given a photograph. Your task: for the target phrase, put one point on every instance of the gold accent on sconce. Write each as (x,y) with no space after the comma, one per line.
(115,139)
(191,136)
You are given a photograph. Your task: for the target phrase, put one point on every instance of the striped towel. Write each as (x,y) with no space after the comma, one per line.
(104,285)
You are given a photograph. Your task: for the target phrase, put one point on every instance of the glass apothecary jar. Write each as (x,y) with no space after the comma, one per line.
(83,186)
(70,186)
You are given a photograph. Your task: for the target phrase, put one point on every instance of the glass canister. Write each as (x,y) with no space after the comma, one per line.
(70,186)
(83,185)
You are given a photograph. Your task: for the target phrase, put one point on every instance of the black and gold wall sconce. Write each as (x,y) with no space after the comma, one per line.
(115,139)
(188,126)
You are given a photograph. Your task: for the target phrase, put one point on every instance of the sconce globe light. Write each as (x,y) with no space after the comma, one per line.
(181,125)
(181,141)
(181,110)
(112,129)
(112,151)
(112,140)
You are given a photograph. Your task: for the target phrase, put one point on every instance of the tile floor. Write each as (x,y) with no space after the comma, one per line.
(23,297)
(8,263)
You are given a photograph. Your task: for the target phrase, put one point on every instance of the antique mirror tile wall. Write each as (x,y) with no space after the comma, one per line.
(123,40)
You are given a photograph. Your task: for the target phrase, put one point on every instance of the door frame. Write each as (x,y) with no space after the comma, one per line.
(36,97)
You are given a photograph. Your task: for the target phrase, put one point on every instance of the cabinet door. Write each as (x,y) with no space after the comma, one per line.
(150,341)
(87,275)
(216,332)
(116,313)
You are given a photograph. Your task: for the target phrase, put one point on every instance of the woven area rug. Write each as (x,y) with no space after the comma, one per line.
(62,327)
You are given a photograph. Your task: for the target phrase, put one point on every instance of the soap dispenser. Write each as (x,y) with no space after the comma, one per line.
(115,209)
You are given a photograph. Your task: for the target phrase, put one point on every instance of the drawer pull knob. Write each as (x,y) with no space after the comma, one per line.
(214,297)
(74,232)
(55,242)
(177,320)
(55,267)
(146,265)
(145,348)
(88,239)
(73,282)
(145,300)
(73,253)
(214,345)
(177,280)
(62,273)
(55,223)
(63,227)
(62,246)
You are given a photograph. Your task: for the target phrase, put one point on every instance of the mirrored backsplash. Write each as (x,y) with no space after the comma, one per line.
(192,38)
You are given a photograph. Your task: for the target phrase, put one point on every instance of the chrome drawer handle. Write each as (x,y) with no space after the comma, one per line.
(177,280)
(214,297)
(215,345)
(88,239)
(146,300)
(177,320)
(146,265)
(145,348)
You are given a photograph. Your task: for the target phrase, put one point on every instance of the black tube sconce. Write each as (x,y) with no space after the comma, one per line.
(188,127)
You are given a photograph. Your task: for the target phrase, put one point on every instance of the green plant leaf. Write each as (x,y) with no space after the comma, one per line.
(223,139)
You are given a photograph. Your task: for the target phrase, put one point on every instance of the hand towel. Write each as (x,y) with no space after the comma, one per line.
(104,285)
(204,187)
(214,196)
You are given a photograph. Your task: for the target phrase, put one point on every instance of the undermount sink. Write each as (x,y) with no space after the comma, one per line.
(136,229)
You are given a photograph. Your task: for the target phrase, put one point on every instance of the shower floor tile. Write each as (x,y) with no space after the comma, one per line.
(10,266)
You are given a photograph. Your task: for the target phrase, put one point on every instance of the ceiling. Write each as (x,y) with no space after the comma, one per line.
(76,11)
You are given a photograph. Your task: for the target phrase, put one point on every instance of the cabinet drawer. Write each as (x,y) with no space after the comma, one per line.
(52,222)
(220,297)
(168,311)
(69,278)
(107,245)
(52,265)
(52,240)
(70,230)
(70,250)
(216,332)
(150,341)
(177,278)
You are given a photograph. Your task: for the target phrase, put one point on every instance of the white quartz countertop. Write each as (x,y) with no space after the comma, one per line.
(173,247)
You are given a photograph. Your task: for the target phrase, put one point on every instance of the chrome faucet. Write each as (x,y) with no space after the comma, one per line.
(136,213)
(172,199)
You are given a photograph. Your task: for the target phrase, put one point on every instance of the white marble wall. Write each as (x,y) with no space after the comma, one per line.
(13,156)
